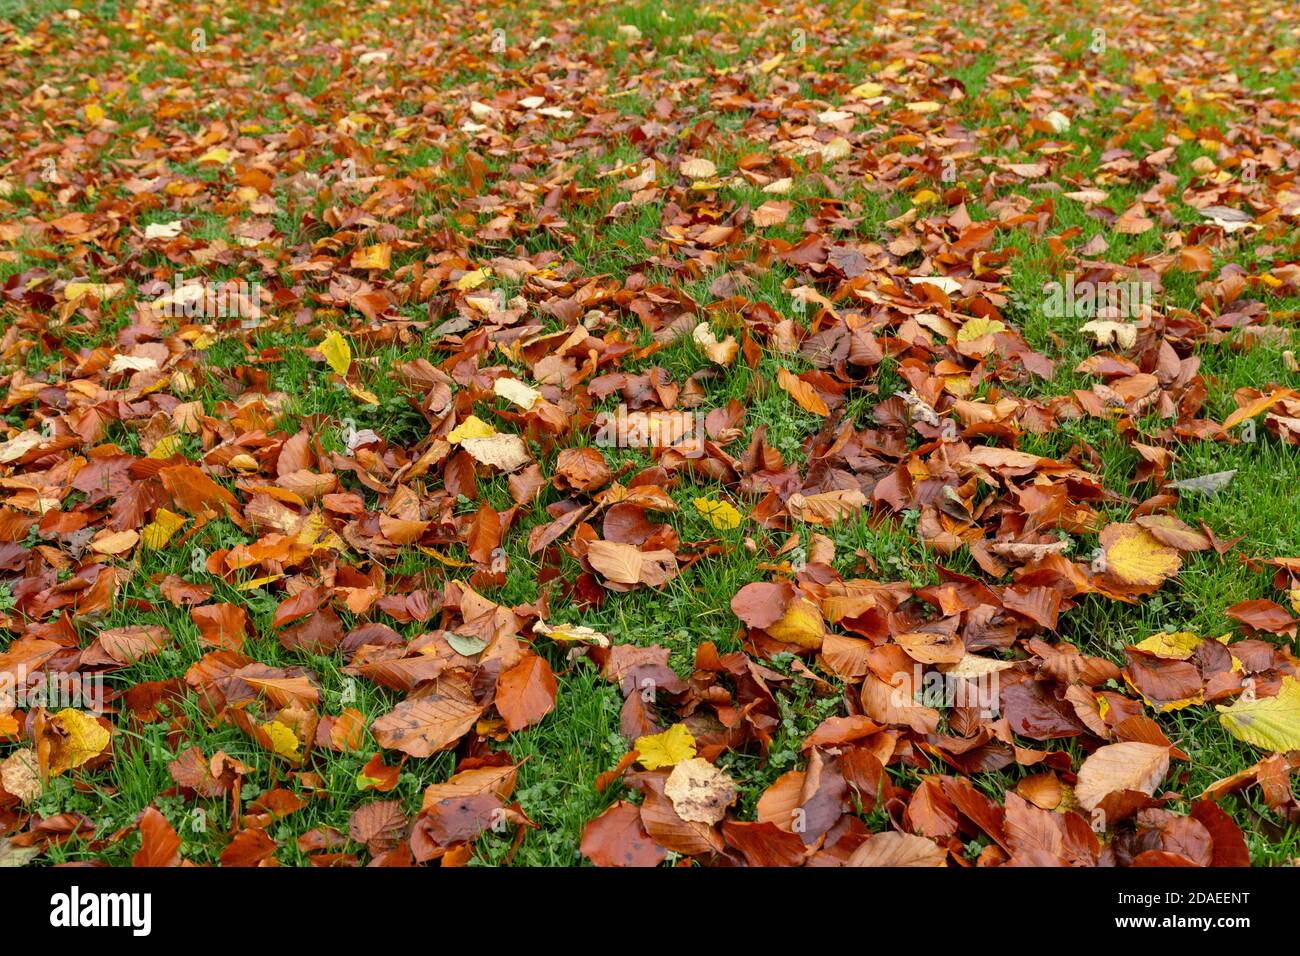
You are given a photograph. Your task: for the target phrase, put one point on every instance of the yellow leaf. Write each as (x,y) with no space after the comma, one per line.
(1271,723)
(924,196)
(979,327)
(472,427)
(362,395)
(94,113)
(721,514)
(867,91)
(472,280)
(86,739)
(167,446)
(663,750)
(571,634)
(103,291)
(1179,646)
(1135,557)
(337,352)
(445,559)
(373,257)
(217,156)
(801,625)
(255,583)
(924,106)
(283,740)
(157,532)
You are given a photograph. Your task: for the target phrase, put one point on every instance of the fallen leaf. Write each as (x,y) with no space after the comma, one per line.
(665,749)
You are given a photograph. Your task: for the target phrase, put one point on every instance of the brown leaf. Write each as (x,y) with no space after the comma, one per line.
(1124,766)
(378,824)
(617,838)
(159,842)
(625,564)
(526,692)
(425,725)
(898,849)
(802,392)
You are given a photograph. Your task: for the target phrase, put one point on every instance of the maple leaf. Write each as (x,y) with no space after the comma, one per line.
(665,749)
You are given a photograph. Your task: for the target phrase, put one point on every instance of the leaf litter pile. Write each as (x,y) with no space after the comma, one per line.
(533,434)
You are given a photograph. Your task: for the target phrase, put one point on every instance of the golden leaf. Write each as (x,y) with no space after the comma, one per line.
(472,427)
(217,156)
(86,739)
(337,352)
(166,447)
(1271,723)
(666,749)
(472,280)
(866,91)
(283,740)
(373,257)
(979,327)
(801,624)
(801,392)
(1179,646)
(721,514)
(1134,556)
(571,634)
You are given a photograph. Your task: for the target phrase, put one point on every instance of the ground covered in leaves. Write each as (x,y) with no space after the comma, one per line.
(548,433)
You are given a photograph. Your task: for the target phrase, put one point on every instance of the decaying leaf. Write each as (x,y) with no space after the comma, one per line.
(699,791)
(1270,723)
(1129,765)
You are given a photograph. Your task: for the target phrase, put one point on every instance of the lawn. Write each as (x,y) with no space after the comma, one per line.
(556,434)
